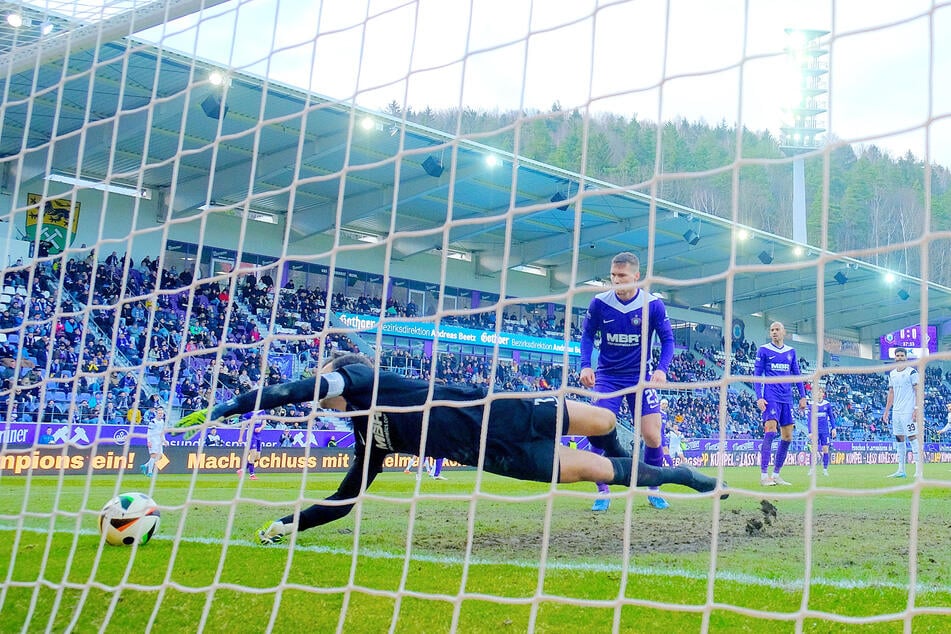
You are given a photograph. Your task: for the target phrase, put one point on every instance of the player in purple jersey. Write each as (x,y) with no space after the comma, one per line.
(518,437)
(254,422)
(823,421)
(775,400)
(625,320)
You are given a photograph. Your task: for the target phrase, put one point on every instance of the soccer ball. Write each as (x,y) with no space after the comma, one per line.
(128,519)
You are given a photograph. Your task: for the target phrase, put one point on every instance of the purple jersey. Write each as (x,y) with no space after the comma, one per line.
(772,362)
(824,418)
(255,428)
(621,327)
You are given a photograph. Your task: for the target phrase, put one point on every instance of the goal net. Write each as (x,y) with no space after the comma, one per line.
(202,199)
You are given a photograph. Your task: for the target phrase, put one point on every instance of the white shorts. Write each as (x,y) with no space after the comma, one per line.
(904,424)
(155,442)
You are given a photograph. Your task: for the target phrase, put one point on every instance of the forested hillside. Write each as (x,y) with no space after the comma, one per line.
(874,199)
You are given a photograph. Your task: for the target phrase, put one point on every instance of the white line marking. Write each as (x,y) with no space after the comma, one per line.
(783,584)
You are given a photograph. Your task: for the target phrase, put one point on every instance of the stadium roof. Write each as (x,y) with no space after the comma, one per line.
(319,165)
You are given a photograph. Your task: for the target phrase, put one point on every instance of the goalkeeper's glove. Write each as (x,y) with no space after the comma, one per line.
(192,423)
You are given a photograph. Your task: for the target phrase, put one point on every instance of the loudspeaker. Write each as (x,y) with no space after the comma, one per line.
(691,237)
(213,107)
(765,257)
(840,277)
(432,166)
(557,198)
(701,327)
(903,294)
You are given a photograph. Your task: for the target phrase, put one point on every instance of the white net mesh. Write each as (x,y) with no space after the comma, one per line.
(201,198)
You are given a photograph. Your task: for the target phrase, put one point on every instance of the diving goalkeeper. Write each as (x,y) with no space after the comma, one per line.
(521,435)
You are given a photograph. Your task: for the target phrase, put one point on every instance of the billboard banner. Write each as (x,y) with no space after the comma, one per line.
(134,435)
(456,334)
(83,449)
(102,460)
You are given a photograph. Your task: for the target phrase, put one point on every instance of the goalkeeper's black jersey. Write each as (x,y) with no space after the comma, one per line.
(398,413)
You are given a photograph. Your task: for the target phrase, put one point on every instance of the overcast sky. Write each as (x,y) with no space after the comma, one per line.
(889,61)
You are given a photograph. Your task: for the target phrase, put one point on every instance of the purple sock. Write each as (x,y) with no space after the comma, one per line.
(654,456)
(825,461)
(250,468)
(766,450)
(668,461)
(603,488)
(781,452)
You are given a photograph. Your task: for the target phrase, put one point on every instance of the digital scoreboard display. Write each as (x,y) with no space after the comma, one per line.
(916,340)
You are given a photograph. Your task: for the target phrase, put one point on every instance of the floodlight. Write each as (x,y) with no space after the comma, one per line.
(765,257)
(691,237)
(840,277)
(903,294)
(432,166)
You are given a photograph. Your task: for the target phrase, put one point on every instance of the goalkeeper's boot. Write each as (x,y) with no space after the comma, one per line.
(658,502)
(700,482)
(273,533)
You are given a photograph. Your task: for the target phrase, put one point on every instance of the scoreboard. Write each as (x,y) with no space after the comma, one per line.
(918,341)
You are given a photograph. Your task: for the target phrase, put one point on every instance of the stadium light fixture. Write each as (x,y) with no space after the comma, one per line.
(46,28)
(889,278)
(214,107)
(531,270)
(765,257)
(111,188)
(492,160)
(559,197)
(433,166)
(257,216)
(691,237)
(16,20)
(903,295)
(841,277)
(218,78)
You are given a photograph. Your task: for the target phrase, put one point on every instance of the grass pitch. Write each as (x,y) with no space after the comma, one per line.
(852,551)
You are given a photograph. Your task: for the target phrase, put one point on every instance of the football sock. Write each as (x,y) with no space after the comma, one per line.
(150,465)
(250,468)
(915,453)
(781,452)
(668,460)
(654,456)
(766,450)
(651,476)
(825,461)
(900,452)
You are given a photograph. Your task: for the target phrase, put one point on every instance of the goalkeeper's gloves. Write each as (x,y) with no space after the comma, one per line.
(193,423)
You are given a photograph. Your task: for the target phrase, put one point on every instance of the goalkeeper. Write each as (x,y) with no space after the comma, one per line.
(520,435)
